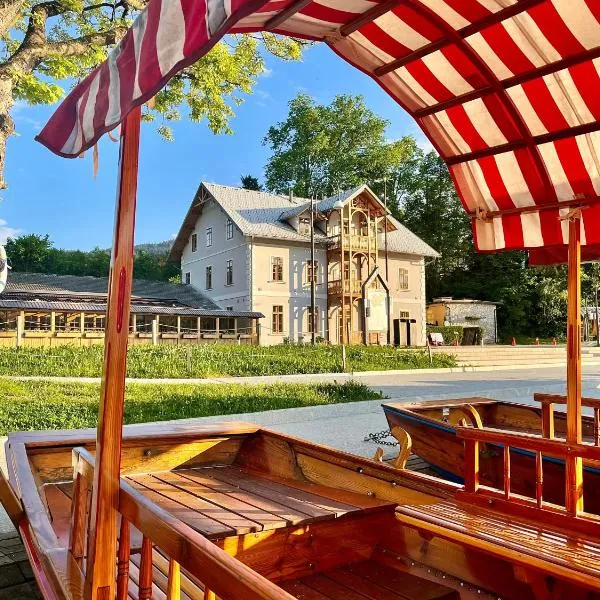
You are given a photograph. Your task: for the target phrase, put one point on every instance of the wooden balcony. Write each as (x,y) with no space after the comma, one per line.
(337,287)
(355,242)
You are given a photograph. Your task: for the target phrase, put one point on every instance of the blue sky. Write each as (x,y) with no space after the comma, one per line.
(48,194)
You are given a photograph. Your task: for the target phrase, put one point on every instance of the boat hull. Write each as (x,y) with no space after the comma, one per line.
(436,443)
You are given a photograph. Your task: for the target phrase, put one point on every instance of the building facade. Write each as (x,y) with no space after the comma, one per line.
(466,313)
(251,251)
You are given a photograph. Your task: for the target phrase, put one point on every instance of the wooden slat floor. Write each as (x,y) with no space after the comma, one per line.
(224,501)
(553,545)
(368,580)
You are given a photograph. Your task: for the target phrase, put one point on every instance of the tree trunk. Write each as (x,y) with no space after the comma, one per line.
(7,125)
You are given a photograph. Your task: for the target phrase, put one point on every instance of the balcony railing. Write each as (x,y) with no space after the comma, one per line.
(337,287)
(356,242)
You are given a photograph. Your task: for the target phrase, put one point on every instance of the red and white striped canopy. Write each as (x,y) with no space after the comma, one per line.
(508,92)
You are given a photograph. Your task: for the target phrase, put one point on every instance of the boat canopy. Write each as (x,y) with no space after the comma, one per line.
(505,90)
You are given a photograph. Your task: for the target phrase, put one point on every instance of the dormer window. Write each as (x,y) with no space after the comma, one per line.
(304,225)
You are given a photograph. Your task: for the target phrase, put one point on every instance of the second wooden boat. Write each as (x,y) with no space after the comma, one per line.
(432,427)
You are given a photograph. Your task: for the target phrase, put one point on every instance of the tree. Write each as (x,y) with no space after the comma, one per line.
(28,252)
(321,149)
(249,182)
(425,200)
(50,41)
(36,254)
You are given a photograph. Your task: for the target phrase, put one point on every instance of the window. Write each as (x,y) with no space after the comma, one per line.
(188,278)
(229,308)
(229,229)
(304,225)
(402,279)
(194,242)
(276,268)
(209,278)
(312,272)
(229,273)
(208,236)
(310,321)
(277,323)
(404,314)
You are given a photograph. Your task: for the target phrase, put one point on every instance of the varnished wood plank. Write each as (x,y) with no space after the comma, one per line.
(59,505)
(331,588)
(123,560)
(169,484)
(102,548)
(276,489)
(410,586)
(194,552)
(369,589)
(300,551)
(291,517)
(145,580)
(170,501)
(302,592)
(195,483)
(574,464)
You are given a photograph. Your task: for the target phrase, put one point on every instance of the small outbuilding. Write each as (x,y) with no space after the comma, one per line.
(466,313)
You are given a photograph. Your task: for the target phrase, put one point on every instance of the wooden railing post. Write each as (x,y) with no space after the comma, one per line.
(539,479)
(145,581)
(123,561)
(574,464)
(596,426)
(100,575)
(79,517)
(174,583)
(548,420)
(507,471)
(471,465)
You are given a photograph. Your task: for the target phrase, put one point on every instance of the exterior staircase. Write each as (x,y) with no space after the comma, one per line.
(518,356)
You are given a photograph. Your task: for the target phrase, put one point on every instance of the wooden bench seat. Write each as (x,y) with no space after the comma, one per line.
(227,501)
(552,550)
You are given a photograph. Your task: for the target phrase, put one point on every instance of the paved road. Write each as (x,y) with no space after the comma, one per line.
(344,426)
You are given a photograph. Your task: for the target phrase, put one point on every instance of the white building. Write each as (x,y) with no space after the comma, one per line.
(251,251)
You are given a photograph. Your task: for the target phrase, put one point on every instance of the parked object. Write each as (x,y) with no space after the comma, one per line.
(434,427)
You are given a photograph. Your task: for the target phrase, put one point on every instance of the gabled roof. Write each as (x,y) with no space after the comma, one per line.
(254,213)
(265,215)
(162,292)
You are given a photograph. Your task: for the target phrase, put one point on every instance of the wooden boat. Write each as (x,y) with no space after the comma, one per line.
(241,512)
(432,427)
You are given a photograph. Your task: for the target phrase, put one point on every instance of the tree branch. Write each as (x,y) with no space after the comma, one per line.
(80,45)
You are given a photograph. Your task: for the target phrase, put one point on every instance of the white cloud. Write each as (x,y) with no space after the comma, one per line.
(19,114)
(6,231)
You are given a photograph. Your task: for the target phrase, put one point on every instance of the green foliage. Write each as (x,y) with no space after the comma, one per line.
(35,254)
(250,182)
(71,37)
(29,405)
(322,149)
(214,360)
(450,333)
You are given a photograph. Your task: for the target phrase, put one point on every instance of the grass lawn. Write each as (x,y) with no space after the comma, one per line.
(31,405)
(215,360)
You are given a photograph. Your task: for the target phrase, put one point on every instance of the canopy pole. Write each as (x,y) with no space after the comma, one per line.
(574,467)
(102,545)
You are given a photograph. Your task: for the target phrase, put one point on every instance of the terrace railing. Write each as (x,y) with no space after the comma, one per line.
(166,547)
